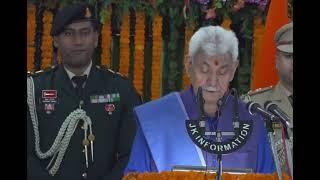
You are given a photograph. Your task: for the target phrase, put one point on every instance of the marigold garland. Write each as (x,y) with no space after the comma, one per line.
(124,45)
(46,46)
(105,44)
(168,175)
(156,57)
(31,26)
(139,53)
(47,53)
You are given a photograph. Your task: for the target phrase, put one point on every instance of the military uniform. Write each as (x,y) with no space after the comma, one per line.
(278,96)
(108,99)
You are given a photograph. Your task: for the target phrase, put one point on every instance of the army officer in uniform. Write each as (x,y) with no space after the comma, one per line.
(282,93)
(80,121)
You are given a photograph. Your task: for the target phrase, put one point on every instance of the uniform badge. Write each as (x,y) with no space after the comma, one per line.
(49,99)
(109,108)
(49,94)
(276,125)
(49,107)
(88,13)
(105,98)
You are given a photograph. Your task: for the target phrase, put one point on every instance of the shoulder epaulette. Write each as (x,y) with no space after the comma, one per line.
(120,74)
(37,73)
(29,73)
(103,67)
(111,71)
(259,91)
(48,68)
(247,96)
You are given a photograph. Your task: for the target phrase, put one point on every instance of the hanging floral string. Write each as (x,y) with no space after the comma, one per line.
(106,38)
(46,45)
(139,53)
(156,57)
(124,45)
(31,10)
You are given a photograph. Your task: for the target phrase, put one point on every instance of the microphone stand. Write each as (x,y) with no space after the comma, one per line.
(219,170)
(219,137)
(273,148)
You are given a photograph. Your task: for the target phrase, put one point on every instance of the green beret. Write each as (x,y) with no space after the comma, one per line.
(68,14)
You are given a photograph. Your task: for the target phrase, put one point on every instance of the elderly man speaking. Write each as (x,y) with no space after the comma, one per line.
(162,140)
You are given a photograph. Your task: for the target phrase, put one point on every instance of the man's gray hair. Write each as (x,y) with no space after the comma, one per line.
(214,40)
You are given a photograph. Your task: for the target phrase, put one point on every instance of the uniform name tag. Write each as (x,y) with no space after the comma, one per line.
(49,96)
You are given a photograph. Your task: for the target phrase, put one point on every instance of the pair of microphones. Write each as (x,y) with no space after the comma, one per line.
(270,111)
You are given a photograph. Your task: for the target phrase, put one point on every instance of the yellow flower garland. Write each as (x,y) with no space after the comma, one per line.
(124,45)
(139,52)
(156,57)
(31,21)
(168,175)
(46,45)
(105,43)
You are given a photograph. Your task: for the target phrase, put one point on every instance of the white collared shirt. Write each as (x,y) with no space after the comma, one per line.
(71,74)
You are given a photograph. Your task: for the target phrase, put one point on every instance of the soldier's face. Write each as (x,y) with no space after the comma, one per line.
(77,43)
(213,74)
(285,67)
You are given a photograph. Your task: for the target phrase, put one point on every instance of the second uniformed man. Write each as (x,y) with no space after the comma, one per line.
(80,120)
(282,93)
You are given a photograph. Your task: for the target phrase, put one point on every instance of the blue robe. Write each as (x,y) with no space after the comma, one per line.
(162,140)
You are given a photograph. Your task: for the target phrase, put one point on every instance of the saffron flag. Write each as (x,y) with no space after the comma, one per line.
(264,70)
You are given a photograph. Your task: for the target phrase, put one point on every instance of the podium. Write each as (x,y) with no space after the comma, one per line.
(200,175)
(210,169)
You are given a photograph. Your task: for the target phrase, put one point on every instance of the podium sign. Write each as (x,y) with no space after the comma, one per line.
(240,135)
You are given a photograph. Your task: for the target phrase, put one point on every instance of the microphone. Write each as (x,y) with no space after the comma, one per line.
(201,101)
(274,109)
(254,107)
(222,101)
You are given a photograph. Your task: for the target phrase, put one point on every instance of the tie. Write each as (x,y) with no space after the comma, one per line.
(79,80)
(291,99)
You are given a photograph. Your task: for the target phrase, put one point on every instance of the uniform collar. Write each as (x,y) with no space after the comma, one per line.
(279,91)
(86,72)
